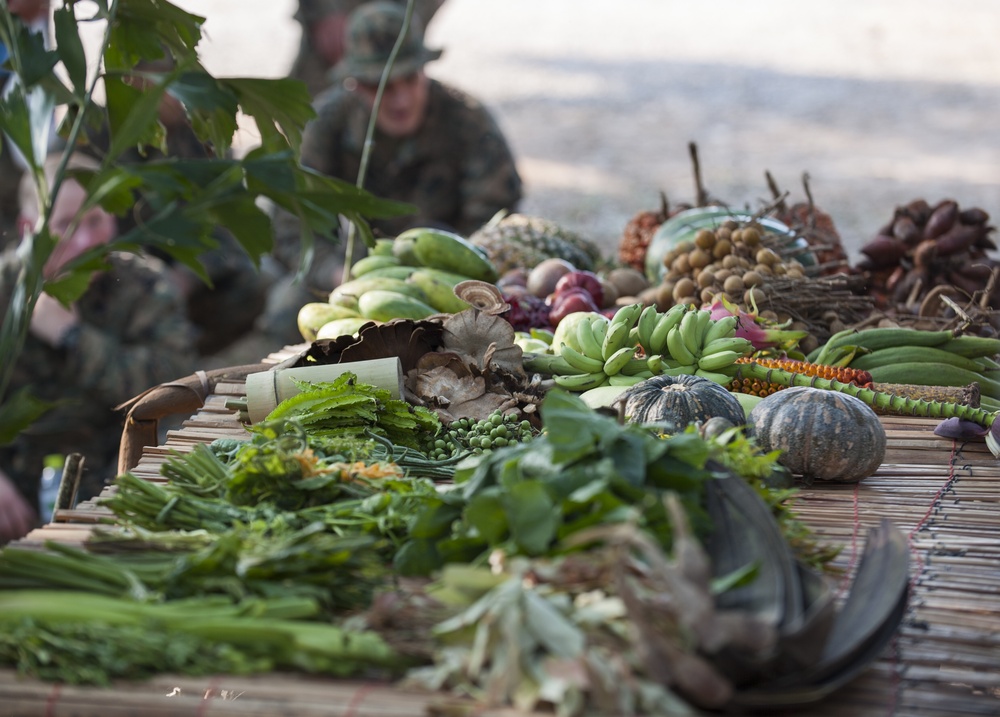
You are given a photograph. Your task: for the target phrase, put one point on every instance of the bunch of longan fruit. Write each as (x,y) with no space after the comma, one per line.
(733,261)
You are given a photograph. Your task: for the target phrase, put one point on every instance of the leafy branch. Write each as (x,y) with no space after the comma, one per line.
(183,201)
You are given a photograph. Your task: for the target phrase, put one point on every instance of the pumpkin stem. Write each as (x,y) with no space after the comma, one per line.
(889,402)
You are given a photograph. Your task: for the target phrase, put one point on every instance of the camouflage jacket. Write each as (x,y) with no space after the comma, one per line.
(132,335)
(457,170)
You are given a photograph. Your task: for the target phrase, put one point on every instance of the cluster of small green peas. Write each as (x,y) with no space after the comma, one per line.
(468,436)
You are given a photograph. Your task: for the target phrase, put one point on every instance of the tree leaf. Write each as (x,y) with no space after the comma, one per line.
(133,115)
(211,106)
(144,29)
(279,107)
(70,48)
(248,224)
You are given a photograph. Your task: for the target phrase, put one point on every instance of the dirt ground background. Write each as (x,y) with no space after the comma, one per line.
(879,101)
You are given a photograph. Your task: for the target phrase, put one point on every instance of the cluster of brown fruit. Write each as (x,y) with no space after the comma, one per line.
(924,246)
(732,260)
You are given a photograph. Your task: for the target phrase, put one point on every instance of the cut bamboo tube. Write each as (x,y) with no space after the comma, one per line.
(266,389)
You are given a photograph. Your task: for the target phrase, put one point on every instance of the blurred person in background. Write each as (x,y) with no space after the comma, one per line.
(126,333)
(224,310)
(35,15)
(324,24)
(434,147)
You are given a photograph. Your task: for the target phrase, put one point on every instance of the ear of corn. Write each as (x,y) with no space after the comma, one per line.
(757,387)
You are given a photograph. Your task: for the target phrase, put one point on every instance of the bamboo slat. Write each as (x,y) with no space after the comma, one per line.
(944,496)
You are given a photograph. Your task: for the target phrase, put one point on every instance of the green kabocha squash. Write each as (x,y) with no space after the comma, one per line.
(679,401)
(822,435)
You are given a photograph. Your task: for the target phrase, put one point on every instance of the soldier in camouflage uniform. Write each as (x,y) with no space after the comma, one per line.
(434,147)
(323,28)
(126,333)
(224,310)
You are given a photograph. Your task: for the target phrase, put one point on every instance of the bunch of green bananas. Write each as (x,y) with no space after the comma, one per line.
(684,340)
(640,342)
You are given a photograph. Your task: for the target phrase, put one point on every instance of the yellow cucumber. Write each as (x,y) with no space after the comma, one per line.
(362,285)
(448,251)
(373,261)
(382,305)
(440,289)
(348,326)
(383,247)
(313,315)
(403,249)
(399,271)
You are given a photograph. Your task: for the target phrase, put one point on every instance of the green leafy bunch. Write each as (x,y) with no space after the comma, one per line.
(183,201)
(348,407)
(583,470)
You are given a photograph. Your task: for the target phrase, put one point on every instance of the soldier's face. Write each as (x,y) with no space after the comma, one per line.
(96,227)
(403,106)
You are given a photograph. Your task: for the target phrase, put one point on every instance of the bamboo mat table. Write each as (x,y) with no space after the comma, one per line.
(945,659)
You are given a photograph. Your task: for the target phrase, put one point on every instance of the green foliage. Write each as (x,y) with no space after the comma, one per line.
(186,201)
(584,469)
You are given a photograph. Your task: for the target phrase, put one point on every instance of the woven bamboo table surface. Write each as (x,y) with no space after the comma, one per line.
(945,659)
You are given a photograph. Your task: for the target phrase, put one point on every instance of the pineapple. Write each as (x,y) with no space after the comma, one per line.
(519,241)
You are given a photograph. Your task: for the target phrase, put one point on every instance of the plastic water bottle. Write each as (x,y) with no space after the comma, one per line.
(48,489)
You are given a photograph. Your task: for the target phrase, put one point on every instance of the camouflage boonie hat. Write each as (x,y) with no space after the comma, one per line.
(372,31)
